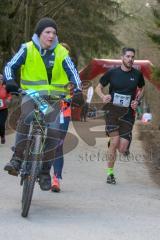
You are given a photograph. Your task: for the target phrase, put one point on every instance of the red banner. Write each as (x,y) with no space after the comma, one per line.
(100,66)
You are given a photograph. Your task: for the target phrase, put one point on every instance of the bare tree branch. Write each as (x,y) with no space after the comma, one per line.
(55,8)
(42,5)
(62,6)
(12,14)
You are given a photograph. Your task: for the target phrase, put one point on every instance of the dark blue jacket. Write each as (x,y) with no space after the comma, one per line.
(48,57)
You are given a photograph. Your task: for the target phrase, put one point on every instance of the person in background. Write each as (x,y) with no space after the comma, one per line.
(66,110)
(5,99)
(86,105)
(64,124)
(59,158)
(84,111)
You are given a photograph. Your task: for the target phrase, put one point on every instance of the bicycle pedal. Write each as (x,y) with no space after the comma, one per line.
(13,173)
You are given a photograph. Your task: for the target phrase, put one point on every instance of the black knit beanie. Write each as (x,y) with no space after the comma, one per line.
(44,23)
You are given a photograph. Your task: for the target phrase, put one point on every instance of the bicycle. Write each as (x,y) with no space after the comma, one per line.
(34,150)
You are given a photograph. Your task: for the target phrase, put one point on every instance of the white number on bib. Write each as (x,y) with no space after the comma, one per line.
(1,103)
(122,100)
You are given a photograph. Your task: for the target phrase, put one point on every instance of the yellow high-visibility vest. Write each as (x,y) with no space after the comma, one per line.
(34,74)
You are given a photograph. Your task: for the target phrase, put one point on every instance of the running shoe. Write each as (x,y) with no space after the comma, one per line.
(55,185)
(111,179)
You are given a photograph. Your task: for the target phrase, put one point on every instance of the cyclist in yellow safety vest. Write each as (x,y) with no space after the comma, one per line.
(45,66)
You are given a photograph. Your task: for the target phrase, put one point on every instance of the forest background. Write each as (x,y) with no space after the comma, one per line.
(93,29)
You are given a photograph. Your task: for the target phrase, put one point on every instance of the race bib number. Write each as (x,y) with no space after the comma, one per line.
(1,103)
(121,100)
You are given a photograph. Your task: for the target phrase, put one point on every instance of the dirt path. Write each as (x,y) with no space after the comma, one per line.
(150,138)
(87,207)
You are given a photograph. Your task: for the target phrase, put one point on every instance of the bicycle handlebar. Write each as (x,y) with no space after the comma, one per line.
(42,103)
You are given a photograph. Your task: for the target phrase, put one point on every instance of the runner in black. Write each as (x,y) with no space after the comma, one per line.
(121,103)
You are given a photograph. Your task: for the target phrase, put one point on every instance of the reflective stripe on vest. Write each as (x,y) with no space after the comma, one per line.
(34,74)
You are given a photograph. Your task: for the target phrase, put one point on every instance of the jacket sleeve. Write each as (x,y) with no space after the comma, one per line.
(14,64)
(72,73)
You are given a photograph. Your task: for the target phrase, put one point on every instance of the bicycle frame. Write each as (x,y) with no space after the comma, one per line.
(37,135)
(33,157)
(34,150)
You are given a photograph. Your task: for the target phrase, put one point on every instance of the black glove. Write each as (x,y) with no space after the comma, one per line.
(78,99)
(12,87)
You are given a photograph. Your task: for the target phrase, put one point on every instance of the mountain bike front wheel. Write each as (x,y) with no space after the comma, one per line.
(29,180)
(28,188)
